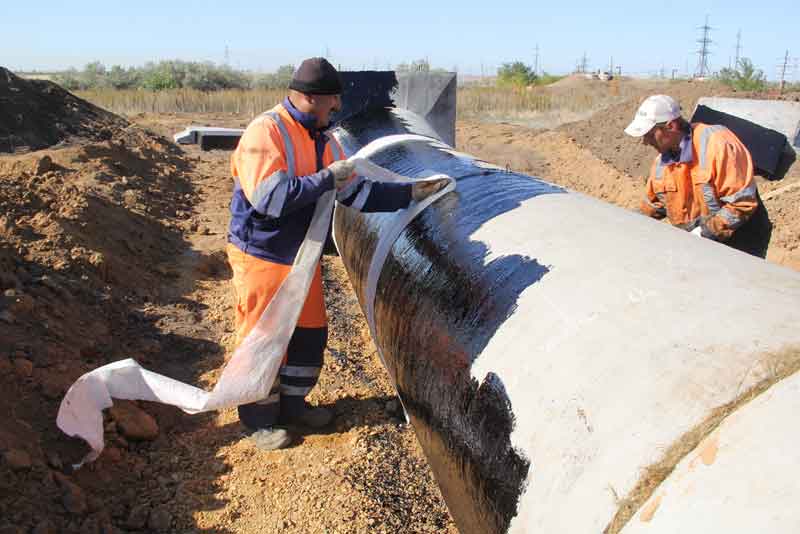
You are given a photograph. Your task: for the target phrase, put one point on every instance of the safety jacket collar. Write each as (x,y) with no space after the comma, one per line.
(686,152)
(307,120)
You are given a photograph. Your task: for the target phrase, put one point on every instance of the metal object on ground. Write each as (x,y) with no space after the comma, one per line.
(551,350)
(209,138)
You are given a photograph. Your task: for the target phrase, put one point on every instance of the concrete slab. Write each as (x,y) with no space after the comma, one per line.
(775,114)
(739,478)
(432,95)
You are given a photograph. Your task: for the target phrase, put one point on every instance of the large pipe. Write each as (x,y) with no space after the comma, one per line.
(558,356)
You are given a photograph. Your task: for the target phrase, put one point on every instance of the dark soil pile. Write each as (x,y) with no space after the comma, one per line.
(88,234)
(37,114)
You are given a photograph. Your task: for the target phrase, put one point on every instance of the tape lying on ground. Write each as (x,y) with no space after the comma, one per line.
(251,371)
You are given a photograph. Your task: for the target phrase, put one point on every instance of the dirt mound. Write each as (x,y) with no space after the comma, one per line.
(37,114)
(550,155)
(573,80)
(87,233)
(603,133)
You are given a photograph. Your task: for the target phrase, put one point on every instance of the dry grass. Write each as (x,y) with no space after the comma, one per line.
(492,103)
(512,101)
(575,100)
(249,102)
(778,366)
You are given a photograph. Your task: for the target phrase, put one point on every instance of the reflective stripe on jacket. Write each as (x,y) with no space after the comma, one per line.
(279,171)
(715,190)
(277,181)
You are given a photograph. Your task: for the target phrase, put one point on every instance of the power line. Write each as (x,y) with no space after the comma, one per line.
(704,52)
(583,64)
(783,70)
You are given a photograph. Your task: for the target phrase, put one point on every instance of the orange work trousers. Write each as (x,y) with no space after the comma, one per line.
(255,282)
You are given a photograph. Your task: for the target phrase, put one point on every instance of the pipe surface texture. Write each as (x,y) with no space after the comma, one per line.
(559,357)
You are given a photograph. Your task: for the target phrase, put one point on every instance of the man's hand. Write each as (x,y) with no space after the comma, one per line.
(342,171)
(422,190)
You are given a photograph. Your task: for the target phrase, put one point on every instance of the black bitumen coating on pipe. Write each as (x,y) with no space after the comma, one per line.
(439,302)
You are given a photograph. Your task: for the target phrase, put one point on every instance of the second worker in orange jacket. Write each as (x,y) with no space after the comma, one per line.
(702,178)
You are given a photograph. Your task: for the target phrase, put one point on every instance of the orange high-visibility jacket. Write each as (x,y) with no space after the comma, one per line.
(262,160)
(713,187)
(279,174)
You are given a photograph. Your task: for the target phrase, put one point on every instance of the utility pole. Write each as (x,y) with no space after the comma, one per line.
(783,71)
(738,49)
(536,61)
(227,55)
(611,66)
(619,71)
(584,63)
(674,71)
(704,51)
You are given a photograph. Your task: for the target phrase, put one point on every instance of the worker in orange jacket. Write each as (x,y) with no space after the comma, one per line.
(702,179)
(284,162)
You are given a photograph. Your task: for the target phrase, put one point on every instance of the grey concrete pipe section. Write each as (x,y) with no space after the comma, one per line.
(552,351)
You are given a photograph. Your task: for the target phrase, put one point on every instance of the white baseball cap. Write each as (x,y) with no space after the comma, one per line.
(654,110)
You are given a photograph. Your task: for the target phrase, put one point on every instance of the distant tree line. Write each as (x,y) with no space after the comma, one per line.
(174,74)
(208,76)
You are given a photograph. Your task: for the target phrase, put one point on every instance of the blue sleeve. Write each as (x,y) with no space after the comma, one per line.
(301,191)
(368,196)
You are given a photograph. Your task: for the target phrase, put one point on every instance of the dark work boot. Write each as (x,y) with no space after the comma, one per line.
(315,417)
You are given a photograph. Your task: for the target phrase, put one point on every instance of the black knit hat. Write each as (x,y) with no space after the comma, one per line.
(315,76)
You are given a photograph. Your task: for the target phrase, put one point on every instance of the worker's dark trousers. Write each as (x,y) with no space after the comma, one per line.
(296,378)
(753,237)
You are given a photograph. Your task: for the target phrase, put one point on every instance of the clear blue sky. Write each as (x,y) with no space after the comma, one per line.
(262,35)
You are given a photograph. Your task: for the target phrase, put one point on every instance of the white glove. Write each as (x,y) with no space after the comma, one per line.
(342,171)
(422,190)
(698,231)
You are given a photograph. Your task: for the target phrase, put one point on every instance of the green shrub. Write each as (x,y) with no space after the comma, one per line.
(745,77)
(515,74)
